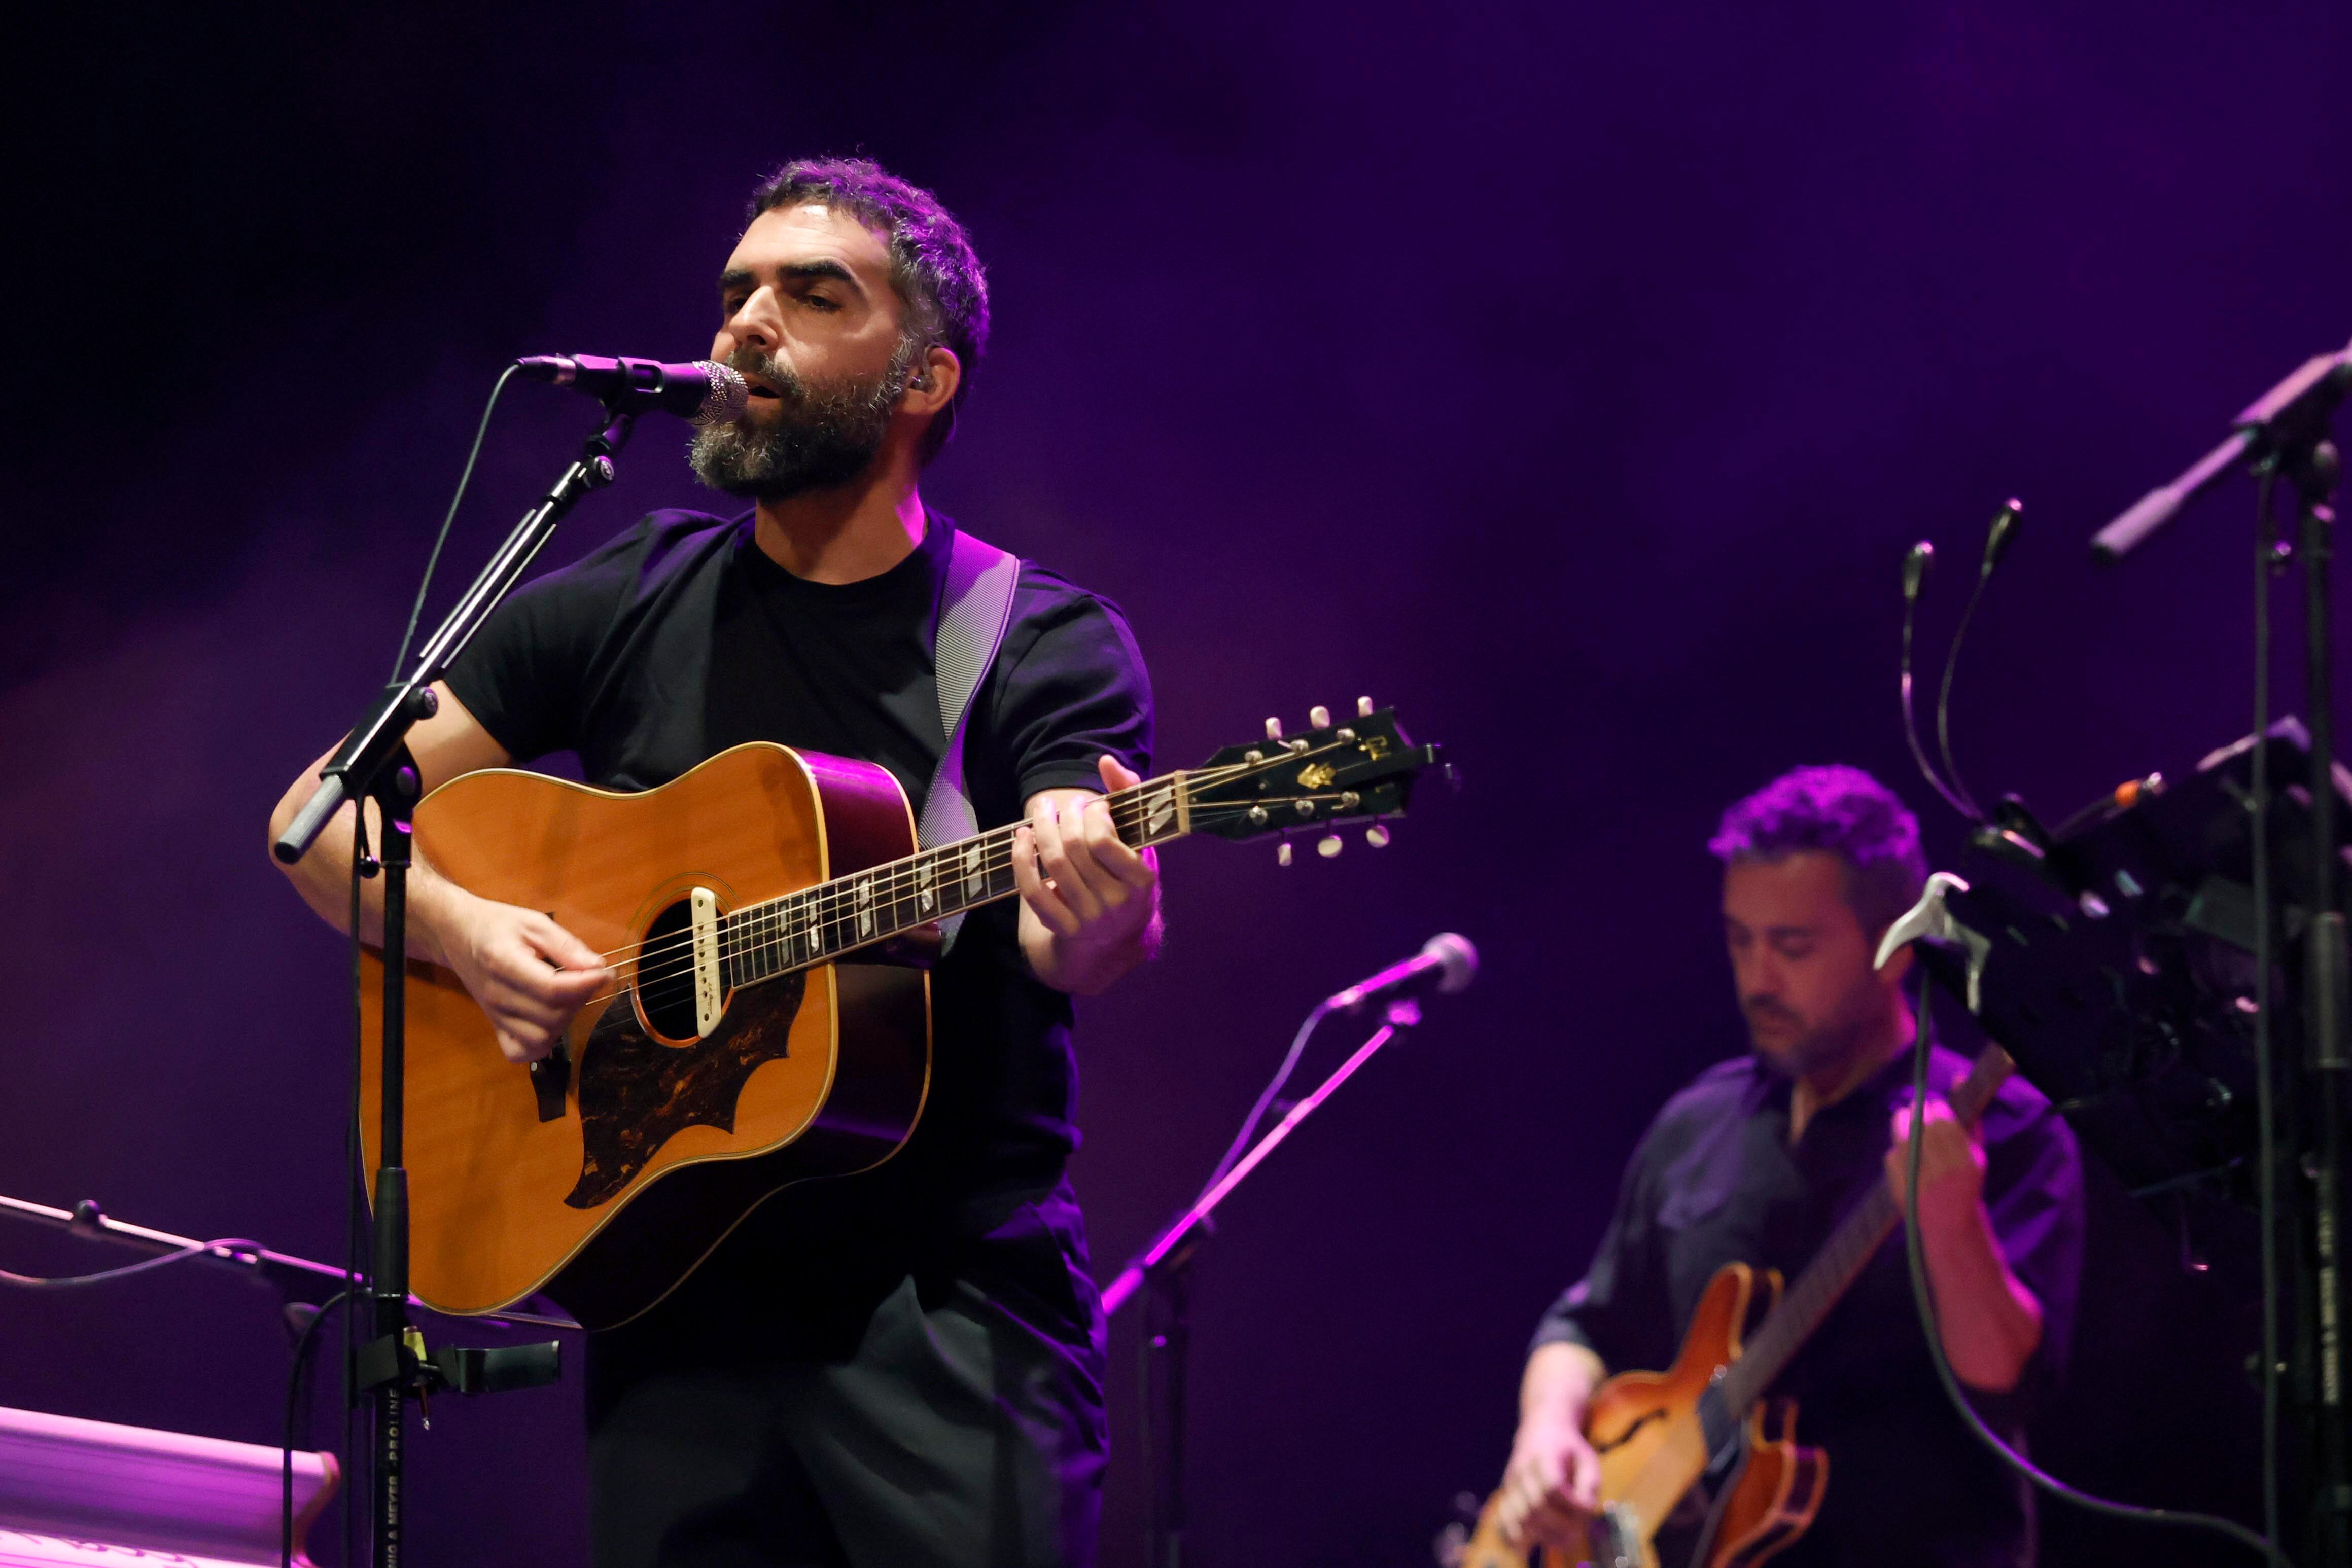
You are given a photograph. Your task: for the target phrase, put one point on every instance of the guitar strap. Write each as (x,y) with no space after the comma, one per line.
(975,607)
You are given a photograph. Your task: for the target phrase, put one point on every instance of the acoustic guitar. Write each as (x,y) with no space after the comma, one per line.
(1697,1466)
(769,916)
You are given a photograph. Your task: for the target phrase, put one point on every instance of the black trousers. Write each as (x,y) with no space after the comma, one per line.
(964,1430)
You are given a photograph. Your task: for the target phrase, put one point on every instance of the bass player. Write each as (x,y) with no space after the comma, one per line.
(1757,1160)
(903,1368)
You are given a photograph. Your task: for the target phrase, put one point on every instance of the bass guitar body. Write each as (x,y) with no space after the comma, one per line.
(1683,1479)
(603,1176)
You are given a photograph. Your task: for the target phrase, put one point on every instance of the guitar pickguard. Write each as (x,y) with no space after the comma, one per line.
(636,1094)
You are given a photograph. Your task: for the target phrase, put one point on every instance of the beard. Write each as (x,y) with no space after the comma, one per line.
(1802,1046)
(828,433)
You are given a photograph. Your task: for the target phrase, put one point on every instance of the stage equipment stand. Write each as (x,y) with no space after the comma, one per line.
(2311,466)
(374,764)
(2284,434)
(1163,1271)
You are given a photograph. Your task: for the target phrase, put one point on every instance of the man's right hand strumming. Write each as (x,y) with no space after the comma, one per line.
(530,975)
(1552,1484)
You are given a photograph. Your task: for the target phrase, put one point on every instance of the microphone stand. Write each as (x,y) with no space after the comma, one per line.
(1164,1268)
(374,763)
(2285,433)
(2311,466)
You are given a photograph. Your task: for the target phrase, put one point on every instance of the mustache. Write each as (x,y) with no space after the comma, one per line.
(1762,1008)
(769,368)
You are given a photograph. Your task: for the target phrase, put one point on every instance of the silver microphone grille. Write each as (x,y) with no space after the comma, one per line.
(1457,961)
(727,396)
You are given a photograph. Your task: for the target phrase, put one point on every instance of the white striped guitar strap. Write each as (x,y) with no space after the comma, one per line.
(975,607)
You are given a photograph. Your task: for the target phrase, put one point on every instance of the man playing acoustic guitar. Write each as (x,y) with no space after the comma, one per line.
(1756,1161)
(902,1368)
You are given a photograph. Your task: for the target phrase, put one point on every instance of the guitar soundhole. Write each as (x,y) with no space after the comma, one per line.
(666,973)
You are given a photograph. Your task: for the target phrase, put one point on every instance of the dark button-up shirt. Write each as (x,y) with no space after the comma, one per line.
(1716,1180)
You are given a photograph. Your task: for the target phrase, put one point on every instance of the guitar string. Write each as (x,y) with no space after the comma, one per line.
(839,907)
(885,885)
(831,913)
(825,919)
(830,916)
(1130,800)
(1131,796)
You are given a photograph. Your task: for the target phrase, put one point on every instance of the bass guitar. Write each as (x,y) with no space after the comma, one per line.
(1698,1466)
(767,917)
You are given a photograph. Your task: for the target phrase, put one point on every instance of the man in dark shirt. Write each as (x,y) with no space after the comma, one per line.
(1759,1159)
(901,1367)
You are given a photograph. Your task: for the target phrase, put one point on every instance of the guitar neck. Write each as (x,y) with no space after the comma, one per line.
(818,925)
(1843,1257)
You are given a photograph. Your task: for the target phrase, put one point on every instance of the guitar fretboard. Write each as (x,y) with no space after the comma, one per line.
(1843,1257)
(820,924)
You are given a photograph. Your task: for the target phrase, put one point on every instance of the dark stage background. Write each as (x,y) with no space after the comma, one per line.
(1572,376)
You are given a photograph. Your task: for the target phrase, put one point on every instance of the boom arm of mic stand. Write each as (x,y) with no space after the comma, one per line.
(2160,506)
(2293,411)
(86,1219)
(383,728)
(1177,1240)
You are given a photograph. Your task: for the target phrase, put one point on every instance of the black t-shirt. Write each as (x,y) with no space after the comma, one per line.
(680,639)
(1716,1180)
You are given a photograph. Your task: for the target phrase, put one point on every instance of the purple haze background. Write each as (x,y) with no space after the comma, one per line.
(1573,377)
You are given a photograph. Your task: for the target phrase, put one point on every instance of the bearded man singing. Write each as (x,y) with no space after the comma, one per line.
(903,1367)
(1758,1160)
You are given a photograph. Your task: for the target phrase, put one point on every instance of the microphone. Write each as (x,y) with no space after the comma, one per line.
(704,391)
(1445,964)
(1915,571)
(2004,529)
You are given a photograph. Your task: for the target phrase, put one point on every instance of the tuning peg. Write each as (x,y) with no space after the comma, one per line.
(1274,729)
(1319,718)
(1363,707)
(1328,845)
(1282,853)
(1377,836)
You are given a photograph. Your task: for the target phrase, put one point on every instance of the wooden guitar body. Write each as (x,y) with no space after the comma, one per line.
(1668,1496)
(604,1178)
(764,913)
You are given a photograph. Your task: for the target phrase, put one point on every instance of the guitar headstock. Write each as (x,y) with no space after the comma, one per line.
(1360,770)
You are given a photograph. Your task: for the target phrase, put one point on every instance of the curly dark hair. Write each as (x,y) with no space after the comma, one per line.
(931,261)
(1847,812)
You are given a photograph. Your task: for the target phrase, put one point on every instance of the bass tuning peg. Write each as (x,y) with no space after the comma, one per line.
(1377,836)
(1328,845)
(1363,707)
(1274,729)
(1282,853)
(1319,718)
